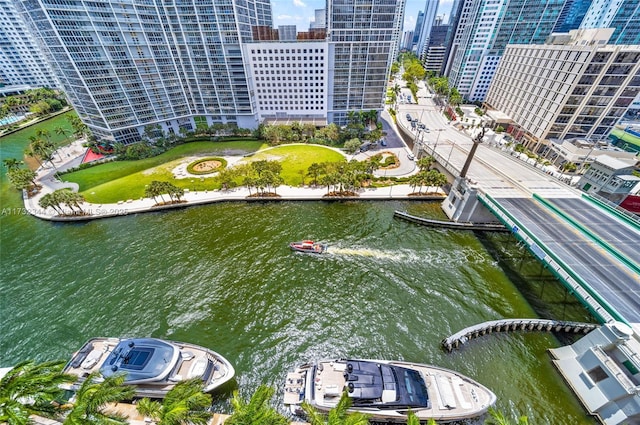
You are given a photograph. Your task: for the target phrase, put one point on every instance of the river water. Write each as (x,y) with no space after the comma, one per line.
(222,276)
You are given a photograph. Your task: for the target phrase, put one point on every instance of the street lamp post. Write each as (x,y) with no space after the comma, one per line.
(453,145)
(472,152)
(439,130)
(415,141)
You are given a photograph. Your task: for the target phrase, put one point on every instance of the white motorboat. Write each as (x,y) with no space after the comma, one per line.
(152,365)
(387,390)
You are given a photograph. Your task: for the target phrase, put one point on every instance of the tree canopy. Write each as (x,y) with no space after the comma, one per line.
(256,411)
(31,388)
(184,404)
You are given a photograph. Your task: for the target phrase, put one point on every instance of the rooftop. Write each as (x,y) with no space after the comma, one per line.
(615,163)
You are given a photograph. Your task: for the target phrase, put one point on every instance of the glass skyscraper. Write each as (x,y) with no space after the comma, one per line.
(622,15)
(129,64)
(21,61)
(492,24)
(132,64)
(364,39)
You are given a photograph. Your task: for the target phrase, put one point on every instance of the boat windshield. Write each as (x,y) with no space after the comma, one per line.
(415,391)
(140,358)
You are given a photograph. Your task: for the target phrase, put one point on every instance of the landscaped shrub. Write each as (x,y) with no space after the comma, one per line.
(390,160)
(193,168)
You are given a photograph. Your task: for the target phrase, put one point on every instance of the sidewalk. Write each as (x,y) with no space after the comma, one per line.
(71,156)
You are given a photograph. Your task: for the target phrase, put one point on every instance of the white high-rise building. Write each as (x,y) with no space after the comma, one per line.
(21,60)
(132,64)
(574,86)
(289,80)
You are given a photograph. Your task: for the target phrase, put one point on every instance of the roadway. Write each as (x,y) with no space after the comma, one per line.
(511,182)
(609,230)
(615,283)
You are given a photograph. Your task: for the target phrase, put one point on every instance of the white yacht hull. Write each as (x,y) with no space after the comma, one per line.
(451,396)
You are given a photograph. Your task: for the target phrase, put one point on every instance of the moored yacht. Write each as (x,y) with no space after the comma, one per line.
(386,390)
(152,365)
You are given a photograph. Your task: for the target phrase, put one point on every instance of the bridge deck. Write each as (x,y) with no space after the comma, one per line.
(614,282)
(616,233)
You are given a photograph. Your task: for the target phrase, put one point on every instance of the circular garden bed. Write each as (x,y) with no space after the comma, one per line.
(206,166)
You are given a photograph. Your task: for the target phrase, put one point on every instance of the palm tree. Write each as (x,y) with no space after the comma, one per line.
(339,415)
(92,398)
(69,198)
(425,162)
(173,191)
(412,419)
(79,128)
(155,188)
(61,131)
(49,200)
(396,91)
(31,388)
(22,178)
(33,148)
(11,163)
(43,132)
(257,411)
(498,418)
(184,404)
(415,181)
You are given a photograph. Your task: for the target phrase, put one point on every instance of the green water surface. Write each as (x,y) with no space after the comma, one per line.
(222,276)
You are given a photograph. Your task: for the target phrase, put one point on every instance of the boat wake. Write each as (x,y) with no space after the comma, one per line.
(434,258)
(360,252)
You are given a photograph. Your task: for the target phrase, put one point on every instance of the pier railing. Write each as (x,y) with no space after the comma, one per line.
(511,325)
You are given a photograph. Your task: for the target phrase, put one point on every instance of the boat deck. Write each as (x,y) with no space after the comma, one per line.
(452,396)
(193,362)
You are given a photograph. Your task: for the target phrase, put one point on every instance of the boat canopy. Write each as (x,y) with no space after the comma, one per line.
(142,359)
(384,386)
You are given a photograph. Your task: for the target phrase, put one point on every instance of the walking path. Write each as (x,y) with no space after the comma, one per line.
(70,156)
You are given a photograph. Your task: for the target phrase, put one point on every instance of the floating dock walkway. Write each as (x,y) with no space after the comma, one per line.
(509,325)
(490,227)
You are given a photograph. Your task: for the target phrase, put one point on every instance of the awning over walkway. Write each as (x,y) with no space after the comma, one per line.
(318,122)
(499,117)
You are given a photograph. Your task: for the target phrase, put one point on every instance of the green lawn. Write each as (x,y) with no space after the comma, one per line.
(296,160)
(98,175)
(50,124)
(122,180)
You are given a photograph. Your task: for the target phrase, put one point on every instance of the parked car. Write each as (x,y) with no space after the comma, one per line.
(383,142)
(366,146)
(409,117)
(421,126)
